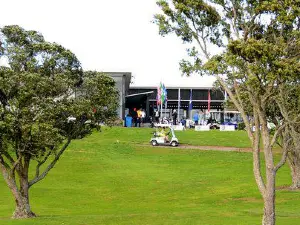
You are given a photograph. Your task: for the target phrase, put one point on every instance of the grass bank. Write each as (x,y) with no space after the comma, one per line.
(108,179)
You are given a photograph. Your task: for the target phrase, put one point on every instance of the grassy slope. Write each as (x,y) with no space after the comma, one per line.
(102,181)
(191,137)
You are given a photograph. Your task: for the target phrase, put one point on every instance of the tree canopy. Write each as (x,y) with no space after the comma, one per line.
(252,47)
(40,113)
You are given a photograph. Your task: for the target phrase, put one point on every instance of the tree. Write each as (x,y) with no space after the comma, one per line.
(39,114)
(288,101)
(259,40)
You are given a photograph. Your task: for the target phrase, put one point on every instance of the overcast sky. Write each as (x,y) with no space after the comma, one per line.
(107,35)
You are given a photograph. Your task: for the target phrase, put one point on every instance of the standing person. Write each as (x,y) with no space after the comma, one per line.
(134,116)
(156,115)
(174,115)
(143,116)
(201,118)
(139,117)
(196,118)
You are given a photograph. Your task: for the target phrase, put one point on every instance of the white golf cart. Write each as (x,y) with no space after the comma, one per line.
(158,139)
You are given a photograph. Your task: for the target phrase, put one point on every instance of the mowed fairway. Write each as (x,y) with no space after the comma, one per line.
(113,178)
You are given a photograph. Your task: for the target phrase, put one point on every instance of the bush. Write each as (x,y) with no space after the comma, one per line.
(241,126)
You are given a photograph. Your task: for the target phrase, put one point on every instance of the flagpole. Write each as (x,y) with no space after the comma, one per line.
(166,109)
(225,100)
(190,104)
(178,113)
(161,111)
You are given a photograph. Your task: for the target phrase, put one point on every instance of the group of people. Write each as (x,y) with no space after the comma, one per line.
(198,118)
(174,116)
(138,117)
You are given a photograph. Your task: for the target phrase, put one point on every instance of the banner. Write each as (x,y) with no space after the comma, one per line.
(191,100)
(208,101)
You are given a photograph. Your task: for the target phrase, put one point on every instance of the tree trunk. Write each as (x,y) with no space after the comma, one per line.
(22,209)
(294,163)
(20,195)
(269,198)
(22,200)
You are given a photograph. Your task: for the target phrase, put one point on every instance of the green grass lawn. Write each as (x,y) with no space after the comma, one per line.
(190,136)
(108,178)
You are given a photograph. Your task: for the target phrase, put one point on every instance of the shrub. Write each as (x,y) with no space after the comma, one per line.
(241,126)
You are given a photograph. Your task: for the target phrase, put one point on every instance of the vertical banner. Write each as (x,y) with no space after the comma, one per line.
(225,100)
(165,98)
(158,97)
(178,113)
(208,101)
(191,103)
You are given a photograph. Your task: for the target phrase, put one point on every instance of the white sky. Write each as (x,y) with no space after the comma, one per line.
(107,35)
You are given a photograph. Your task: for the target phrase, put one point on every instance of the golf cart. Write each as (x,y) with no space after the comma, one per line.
(159,139)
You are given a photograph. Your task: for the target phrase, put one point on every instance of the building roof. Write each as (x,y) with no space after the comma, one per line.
(192,82)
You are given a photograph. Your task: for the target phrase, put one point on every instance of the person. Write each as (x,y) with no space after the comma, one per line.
(174,115)
(139,117)
(201,118)
(196,118)
(163,133)
(134,116)
(156,115)
(183,121)
(143,116)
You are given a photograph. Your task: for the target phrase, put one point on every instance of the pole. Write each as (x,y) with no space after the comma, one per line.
(225,100)
(178,111)
(161,114)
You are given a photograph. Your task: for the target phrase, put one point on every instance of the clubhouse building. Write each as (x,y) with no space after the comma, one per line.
(179,98)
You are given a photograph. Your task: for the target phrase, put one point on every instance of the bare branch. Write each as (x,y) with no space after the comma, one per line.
(239,107)
(3,163)
(283,159)
(203,48)
(40,163)
(278,131)
(8,156)
(12,171)
(51,165)
(256,156)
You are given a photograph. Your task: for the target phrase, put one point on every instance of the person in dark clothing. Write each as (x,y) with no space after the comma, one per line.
(174,115)
(134,117)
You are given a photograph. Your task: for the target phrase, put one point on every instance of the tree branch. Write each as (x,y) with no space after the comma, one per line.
(37,170)
(8,156)
(51,165)
(12,171)
(2,162)
(203,48)
(239,107)
(277,132)
(256,156)
(283,160)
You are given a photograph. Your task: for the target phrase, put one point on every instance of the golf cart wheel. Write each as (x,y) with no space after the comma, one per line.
(174,144)
(154,143)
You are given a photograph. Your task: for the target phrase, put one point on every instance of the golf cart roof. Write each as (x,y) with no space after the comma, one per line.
(162,125)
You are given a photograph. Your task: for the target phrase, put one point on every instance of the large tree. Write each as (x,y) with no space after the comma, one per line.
(39,112)
(259,40)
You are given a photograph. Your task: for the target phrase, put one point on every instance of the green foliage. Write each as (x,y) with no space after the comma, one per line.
(241,126)
(261,64)
(38,100)
(101,91)
(39,112)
